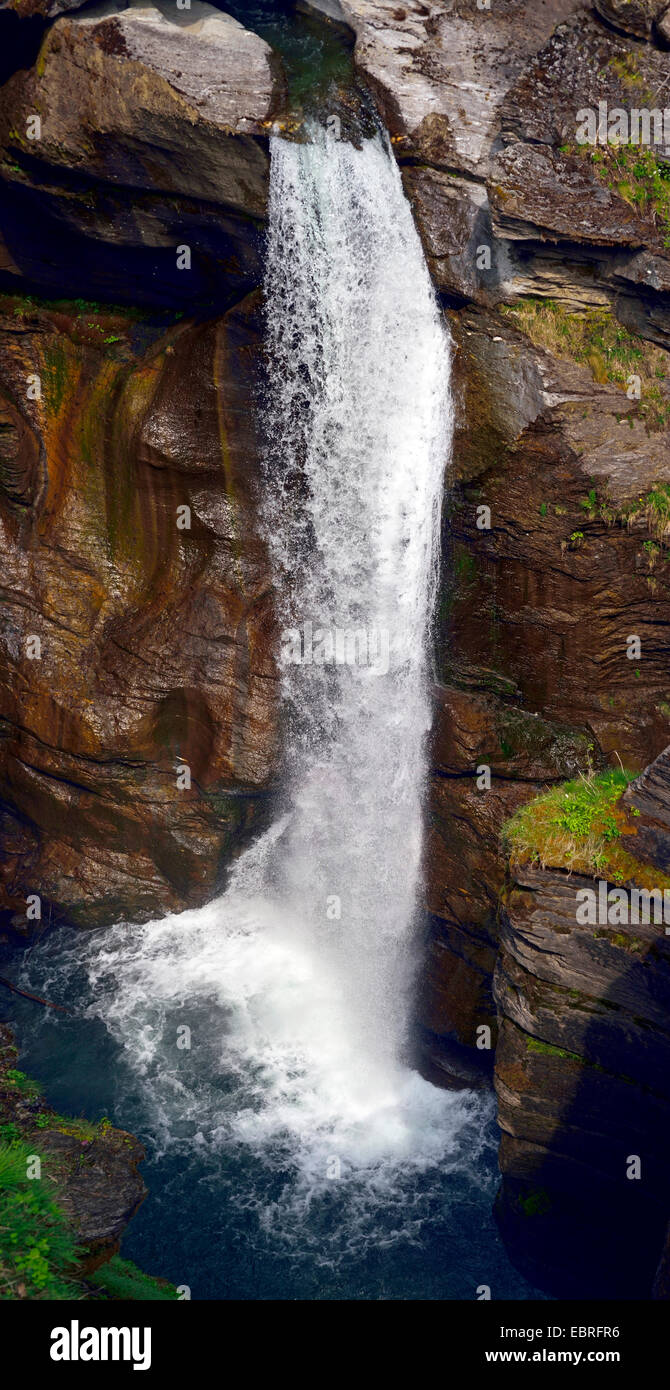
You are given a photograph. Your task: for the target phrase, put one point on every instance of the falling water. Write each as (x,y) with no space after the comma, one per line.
(358,417)
(296,984)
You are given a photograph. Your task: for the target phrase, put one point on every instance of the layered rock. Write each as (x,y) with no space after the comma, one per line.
(478,730)
(160,145)
(583,993)
(536,615)
(138,694)
(538,607)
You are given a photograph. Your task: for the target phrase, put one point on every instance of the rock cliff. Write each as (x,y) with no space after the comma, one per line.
(138,692)
(552,261)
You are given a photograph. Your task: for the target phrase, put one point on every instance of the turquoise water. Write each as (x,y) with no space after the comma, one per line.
(214,1218)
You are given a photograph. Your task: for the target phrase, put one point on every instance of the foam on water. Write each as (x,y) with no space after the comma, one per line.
(297,983)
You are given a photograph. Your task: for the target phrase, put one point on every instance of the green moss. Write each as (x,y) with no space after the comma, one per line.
(463,563)
(121,1279)
(548,1050)
(56,372)
(561,747)
(594,338)
(38,1253)
(23,1083)
(577,826)
(536,1203)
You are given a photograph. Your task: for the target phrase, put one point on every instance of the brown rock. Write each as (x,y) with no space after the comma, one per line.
(581,1078)
(635,17)
(155,641)
(166,114)
(465,865)
(549,594)
(648,797)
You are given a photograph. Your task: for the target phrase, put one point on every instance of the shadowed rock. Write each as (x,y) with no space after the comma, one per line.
(161,143)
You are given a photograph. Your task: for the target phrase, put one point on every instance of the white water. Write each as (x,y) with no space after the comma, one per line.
(299,1016)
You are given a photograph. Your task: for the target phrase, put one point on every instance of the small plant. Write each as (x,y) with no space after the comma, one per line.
(38,1252)
(578,826)
(23,1083)
(596,339)
(537,1203)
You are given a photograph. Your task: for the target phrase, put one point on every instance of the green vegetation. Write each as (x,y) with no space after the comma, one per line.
(657,502)
(639,177)
(578,825)
(537,1203)
(39,1257)
(122,1279)
(24,305)
(654,506)
(56,372)
(548,1049)
(595,338)
(23,1083)
(38,1253)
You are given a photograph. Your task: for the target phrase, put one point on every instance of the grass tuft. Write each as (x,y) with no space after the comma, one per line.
(38,1252)
(577,826)
(122,1279)
(594,338)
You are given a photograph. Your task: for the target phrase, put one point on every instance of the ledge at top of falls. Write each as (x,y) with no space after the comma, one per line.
(223,69)
(153,134)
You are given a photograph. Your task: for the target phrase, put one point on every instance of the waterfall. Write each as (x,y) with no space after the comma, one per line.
(358,429)
(295,986)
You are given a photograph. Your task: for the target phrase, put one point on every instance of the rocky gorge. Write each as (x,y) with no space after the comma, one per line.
(138,636)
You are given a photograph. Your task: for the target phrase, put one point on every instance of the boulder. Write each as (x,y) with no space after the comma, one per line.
(636,17)
(160,145)
(440,74)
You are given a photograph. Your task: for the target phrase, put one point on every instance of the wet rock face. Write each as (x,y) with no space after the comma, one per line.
(582,1084)
(553,587)
(535,618)
(540,600)
(139,743)
(161,144)
(483,726)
